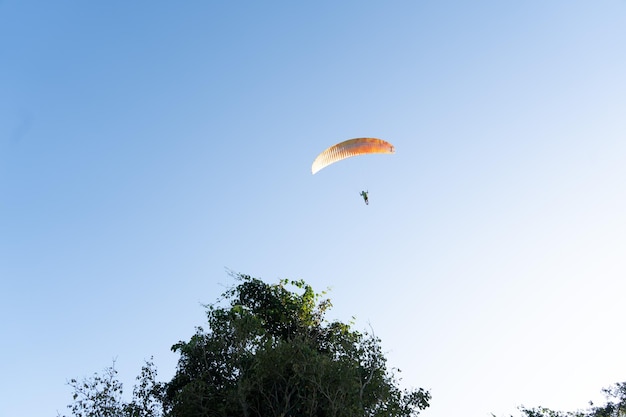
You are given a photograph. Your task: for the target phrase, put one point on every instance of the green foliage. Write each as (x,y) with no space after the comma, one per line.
(269,353)
(101,395)
(614,407)
(147,394)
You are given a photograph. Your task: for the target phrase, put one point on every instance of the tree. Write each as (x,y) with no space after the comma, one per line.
(269,352)
(614,407)
(101,395)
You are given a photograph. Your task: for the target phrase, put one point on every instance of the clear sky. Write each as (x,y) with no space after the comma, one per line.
(147,146)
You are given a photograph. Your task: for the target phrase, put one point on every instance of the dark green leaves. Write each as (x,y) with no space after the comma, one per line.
(270,352)
(267,352)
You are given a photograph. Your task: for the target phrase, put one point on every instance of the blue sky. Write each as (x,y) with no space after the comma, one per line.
(145,147)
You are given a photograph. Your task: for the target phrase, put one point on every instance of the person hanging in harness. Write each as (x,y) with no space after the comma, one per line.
(364,195)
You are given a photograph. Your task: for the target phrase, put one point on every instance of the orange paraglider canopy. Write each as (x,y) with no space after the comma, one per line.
(350,148)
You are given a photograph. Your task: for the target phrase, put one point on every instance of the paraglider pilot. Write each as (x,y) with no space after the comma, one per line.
(364,195)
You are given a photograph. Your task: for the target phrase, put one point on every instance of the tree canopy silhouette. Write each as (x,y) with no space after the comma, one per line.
(615,406)
(269,352)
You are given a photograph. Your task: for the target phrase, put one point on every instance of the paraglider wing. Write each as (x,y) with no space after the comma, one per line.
(349,148)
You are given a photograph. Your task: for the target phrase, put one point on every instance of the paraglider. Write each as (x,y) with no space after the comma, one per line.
(348,149)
